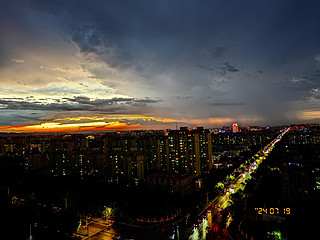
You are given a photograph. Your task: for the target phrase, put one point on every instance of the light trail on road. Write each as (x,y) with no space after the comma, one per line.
(222,201)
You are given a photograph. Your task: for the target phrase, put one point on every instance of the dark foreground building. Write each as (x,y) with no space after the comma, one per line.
(300,167)
(180,183)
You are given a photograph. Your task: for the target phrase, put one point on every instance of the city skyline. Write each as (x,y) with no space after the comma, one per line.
(106,66)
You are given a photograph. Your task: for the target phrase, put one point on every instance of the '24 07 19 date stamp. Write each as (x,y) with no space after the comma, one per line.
(273,211)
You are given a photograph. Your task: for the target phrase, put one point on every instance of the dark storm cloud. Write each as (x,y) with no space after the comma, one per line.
(76,104)
(223,69)
(135,34)
(129,33)
(227,67)
(176,48)
(112,101)
(35,105)
(25,117)
(183,97)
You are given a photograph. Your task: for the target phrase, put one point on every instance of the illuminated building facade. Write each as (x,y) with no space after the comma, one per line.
(150,146)
(235,127)
(124,166)
(190,150)
(123,160)
(76,155)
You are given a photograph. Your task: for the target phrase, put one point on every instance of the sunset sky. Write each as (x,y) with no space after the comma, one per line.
(81,65)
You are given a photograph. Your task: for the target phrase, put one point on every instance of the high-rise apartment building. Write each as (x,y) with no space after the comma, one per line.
(76,155)
(190,150)
(124,166)
(124,160)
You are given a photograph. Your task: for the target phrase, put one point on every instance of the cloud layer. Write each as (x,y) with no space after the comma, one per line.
(194,62)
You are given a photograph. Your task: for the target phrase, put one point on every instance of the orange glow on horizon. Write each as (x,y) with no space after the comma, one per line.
(114,123)
(92,123)
(310,115)
(74,127)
